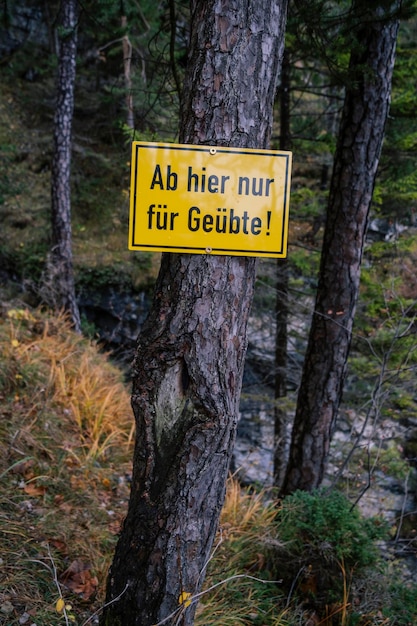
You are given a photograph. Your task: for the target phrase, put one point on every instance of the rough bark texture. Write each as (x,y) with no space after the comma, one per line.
(281,303)
(356,161)
(60,280)
(189,364)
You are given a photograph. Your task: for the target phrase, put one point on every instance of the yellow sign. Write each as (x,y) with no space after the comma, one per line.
(214,200)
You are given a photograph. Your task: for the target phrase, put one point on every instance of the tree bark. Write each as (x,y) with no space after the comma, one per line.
(127,71)
(60,275)
(281,303)
(189,364)
(356,161)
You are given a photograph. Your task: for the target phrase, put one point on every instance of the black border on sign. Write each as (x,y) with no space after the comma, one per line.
(186,148)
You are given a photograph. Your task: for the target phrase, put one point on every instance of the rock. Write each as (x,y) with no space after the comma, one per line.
(117,317)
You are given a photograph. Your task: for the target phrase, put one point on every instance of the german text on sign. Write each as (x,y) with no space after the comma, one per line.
(204,199)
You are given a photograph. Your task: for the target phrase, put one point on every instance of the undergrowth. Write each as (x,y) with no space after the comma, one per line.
(65,449)
(66,433)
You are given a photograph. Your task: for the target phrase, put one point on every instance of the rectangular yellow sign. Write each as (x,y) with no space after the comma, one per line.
(215,200)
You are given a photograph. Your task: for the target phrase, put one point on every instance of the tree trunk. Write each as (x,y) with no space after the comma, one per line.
(281,303)
(59,285)
(189,363)
(356,160)
(127,71)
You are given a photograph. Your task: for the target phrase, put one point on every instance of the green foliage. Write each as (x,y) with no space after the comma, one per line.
(94,279)
(130,135)
(404,400)
(118,276)
(27,262)
(7,185)
(324,523)
(391,461)
(305,263)
(402,607)
(397,180)
(404,96)
(306,203)
(364,369)
(88,329)
(17,377)
(387,293)
(383,362)
(265,291)
(158,44)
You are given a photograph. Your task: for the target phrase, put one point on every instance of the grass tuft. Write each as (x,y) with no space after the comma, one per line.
(66,430)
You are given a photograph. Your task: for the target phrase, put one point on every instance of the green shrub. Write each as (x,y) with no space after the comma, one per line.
(326,542)
(325,522)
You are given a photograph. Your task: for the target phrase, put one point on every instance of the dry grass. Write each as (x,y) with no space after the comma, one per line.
(45,357)
(66,433)
(239,590)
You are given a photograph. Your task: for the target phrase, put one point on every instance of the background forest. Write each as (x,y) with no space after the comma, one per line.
(345,554)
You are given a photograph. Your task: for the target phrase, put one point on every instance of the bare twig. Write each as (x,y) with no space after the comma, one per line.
(116,599)
(294,582)
(197,596)
(57,585)
(400,523)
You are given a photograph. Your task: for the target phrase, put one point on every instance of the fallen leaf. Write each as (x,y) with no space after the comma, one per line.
(116,526)
(32,489)
(59,545)
(185,598)
(64,506)
(25,469)
(60,605)
(78,482)
(78,578)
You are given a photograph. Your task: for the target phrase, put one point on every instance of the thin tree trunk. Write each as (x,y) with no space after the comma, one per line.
(127,71)
(356,161)
(189,363)
(60,275)
(281,303)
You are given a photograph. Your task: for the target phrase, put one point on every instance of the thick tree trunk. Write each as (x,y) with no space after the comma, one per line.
(59,285)
(189,363)
(356,161)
